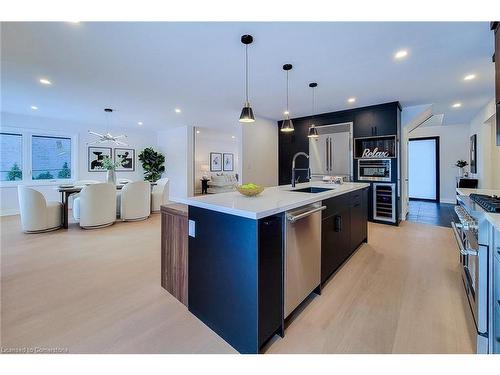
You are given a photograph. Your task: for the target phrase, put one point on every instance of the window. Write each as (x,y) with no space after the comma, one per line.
(50,158)
(30,157)
(11,157)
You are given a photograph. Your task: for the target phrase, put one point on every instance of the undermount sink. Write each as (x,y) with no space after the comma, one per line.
(312,189)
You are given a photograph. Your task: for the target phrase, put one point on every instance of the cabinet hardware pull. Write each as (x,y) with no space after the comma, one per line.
(338,223)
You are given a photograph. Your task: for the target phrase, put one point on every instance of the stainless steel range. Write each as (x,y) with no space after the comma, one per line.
(471,233)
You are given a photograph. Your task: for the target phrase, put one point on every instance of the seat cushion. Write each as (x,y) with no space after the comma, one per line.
(54,214)
(76,208)
(118,203)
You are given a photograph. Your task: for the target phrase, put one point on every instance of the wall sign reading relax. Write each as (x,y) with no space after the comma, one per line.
(367,153)
(375,147)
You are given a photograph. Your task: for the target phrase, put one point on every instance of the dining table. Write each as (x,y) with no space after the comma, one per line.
(68,190)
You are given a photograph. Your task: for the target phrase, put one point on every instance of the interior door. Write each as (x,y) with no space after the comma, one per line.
(423,168)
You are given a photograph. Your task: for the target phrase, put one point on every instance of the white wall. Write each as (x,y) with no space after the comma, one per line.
(453,145)
(488,159)
(495,155)
(177,146)
(259,152)
(411,117)
(213,140)
(137,139)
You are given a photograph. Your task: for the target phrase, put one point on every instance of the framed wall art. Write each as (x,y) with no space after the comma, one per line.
(228,162)
(215,162)
(95,157)
(128,159)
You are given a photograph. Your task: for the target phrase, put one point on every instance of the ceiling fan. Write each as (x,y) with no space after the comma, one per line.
(104,138)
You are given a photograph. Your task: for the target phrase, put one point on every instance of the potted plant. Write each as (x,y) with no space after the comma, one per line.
(461,164)
(110,166)
(152,163)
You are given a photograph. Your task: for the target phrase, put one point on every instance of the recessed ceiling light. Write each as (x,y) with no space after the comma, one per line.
(351,100)
(197,132)
(233,137)
(45,81)
(401,54)
(177,110)
(457,105)
(34,107)
(469,77)
(139,123)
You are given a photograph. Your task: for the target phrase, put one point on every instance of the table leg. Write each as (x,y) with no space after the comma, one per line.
(65,210)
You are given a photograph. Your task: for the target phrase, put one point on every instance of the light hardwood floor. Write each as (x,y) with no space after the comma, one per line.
(99,292)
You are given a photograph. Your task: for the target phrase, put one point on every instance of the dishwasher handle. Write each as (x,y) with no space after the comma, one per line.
(294,218)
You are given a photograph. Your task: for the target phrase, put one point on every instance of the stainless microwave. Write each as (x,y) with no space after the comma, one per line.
(374,169)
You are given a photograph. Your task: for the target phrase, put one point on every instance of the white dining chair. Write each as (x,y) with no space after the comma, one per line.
(95,206)
(38,215)
(123,181)
(72,197)
(85,182)
(134,201)
(159,195)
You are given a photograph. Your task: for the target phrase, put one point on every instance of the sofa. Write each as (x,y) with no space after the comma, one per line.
(222,182)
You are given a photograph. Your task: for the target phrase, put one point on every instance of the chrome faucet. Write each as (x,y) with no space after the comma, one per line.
(299,169)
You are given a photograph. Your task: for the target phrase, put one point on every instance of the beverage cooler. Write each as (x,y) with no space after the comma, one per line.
(384,202)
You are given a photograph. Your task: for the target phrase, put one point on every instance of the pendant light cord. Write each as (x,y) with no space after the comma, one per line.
(288,113)
(246,71)
(313,101)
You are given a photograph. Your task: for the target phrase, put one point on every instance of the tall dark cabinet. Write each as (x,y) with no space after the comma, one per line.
(379,120)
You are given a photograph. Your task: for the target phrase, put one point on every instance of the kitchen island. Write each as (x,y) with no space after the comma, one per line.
(245,253)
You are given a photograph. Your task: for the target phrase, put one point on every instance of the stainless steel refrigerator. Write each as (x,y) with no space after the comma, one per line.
(331,154)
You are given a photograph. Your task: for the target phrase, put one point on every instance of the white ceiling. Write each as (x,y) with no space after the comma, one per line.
(144,70)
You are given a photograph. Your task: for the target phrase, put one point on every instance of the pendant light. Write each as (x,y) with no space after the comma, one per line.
(313,132)
(287,124)
(246,112)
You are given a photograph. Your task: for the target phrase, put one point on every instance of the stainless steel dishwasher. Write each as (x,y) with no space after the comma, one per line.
(302,254)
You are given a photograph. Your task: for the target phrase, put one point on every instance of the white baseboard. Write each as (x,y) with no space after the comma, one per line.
(9,212)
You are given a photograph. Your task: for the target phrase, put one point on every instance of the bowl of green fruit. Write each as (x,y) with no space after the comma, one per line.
(250,190)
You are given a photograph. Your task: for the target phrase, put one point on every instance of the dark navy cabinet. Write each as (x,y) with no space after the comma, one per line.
(364,127)
(270,278)
(359,217)
(235,276)
(374,123)
(343,229)
(335,235)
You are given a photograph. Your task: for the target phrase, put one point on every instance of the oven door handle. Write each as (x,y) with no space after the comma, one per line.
(463,250)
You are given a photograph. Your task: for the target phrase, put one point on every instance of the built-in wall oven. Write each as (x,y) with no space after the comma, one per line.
(374,169)
(473,257)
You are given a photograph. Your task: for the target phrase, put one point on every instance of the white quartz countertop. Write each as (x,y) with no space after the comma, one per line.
(467,192)
(271,201)
(494,219)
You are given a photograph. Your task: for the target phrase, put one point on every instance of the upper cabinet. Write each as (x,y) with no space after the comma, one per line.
(364,127)
(375,122)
